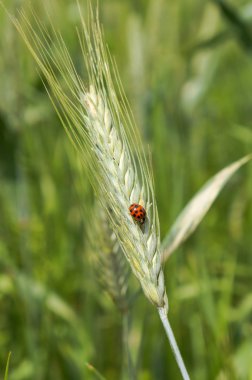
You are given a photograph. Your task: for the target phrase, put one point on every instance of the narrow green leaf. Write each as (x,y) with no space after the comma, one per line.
(7,367)
(196,209)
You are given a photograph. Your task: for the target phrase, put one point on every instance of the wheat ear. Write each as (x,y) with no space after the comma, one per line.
(103,132)
(107,258)
(121,187)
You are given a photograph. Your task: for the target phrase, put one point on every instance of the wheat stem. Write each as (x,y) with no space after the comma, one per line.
(163,316)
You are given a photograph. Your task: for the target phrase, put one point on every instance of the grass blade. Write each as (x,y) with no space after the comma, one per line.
(196,209)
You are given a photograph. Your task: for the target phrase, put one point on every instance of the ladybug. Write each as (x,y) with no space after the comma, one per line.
(138,213)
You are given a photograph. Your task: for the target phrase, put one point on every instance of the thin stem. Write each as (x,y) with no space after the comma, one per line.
(173,343)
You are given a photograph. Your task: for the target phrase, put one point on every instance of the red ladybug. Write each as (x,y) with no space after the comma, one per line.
(138,213)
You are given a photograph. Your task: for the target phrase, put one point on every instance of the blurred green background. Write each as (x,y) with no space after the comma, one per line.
(187,70)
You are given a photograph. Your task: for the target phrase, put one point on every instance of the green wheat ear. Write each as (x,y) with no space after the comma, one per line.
(103,132)
(107,258)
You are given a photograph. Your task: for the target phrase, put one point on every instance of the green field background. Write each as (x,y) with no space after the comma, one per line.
(186,67)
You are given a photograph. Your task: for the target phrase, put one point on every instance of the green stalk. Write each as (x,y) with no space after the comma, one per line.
(173,343)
